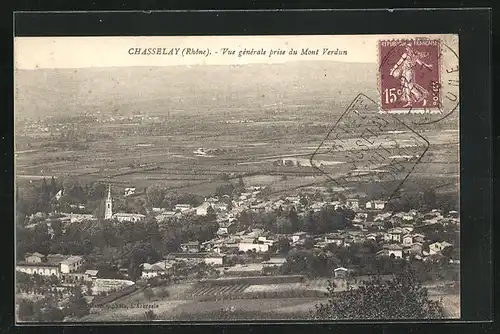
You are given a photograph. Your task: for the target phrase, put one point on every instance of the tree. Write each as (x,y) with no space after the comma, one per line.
(134,271)
(54,188)
(403,297)
(155,195)
(294,220)
(77,307)
(283,246)
(241,184)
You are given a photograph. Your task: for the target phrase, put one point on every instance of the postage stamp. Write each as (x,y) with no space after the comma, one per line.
(410,74)
(373,146)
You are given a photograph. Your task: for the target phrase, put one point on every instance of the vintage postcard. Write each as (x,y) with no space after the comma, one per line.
(228,178)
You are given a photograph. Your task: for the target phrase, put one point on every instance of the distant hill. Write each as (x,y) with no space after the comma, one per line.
(188,88)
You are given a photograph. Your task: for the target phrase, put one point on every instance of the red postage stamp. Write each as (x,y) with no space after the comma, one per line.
(409,75)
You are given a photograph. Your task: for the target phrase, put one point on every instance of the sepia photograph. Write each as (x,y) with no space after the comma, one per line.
(237,178)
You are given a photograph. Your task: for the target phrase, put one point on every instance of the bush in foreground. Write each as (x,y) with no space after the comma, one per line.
(403,297)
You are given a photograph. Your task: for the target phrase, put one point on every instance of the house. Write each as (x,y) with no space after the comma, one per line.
(382,216)
(156,269)
(298,236)
(191,247)
(129,217)
(59,194)
(183,207)
(371,236)
(341,272)
(375,205)
(157,210)
(71,264)
(80,217)
(274,262)
(129,192)
(437,247)
(418,238)
(394,234)
(352,203)
(214,259)
(221,206)
(226,229)
(246,245)
(202,210)
(164,216)
(335,238)
(392,250)
(91,274)
(35,258)
(407,240)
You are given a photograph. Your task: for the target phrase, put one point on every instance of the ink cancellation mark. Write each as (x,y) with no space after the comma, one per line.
(370,146)
(418,76)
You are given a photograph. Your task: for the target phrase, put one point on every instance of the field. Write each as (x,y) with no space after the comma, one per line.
(173,161)
(191,301)
(150,128)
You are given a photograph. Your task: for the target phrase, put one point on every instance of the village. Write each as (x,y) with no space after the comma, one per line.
(257,234)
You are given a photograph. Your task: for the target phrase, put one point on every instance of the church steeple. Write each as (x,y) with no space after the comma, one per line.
(108,214)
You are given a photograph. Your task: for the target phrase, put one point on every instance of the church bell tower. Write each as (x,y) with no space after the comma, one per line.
(108,214)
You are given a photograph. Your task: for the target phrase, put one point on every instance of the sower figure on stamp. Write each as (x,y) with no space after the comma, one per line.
(405,70)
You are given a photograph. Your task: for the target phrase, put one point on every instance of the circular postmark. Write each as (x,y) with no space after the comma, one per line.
(420,77)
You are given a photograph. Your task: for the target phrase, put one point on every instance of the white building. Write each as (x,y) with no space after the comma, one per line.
(44,269)
(259,248)
(130,217)
(437,247)
(129,191)
(71,264)
(183,207)
(202,210)
(352,203)
(376,205)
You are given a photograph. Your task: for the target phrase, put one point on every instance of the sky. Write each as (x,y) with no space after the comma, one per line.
(83,52)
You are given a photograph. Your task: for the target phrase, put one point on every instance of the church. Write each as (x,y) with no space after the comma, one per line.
(120,216)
